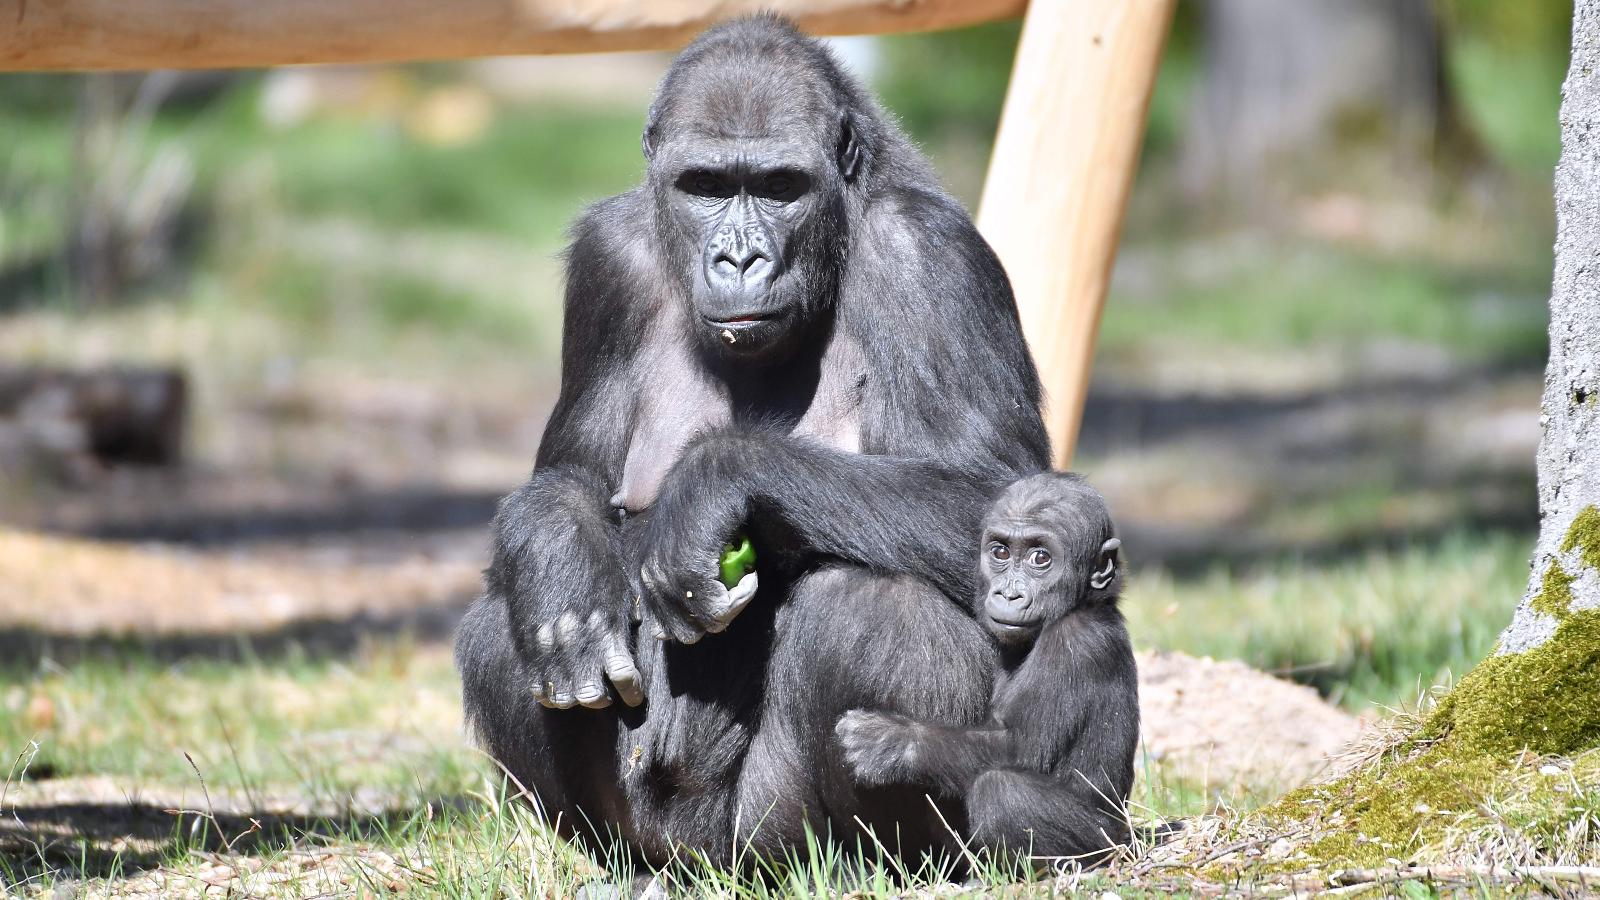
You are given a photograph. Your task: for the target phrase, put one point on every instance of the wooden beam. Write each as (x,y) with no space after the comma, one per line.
(1059,178)
(184,34)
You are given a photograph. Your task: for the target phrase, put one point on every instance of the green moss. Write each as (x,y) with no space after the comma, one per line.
(1555,593)
(1584,535)
(1469,748)
(1389,811)
(1541,700)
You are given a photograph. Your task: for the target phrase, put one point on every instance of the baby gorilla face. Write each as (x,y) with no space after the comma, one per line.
(1047,549)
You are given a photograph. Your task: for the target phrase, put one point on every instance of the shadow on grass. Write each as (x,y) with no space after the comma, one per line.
(80,840)
(402,510)
(313,638)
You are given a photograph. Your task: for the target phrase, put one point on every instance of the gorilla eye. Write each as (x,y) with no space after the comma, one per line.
(704,184)
(999,551)
(1039,557)
(784,185)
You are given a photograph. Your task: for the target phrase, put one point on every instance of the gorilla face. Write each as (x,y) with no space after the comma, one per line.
(1030,582)
(749,183)
(1047,550)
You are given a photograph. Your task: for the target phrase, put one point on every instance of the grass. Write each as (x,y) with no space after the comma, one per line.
(372,741)
(1286,296)
(371,744)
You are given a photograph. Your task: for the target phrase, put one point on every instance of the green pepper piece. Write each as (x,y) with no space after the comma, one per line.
(738,559)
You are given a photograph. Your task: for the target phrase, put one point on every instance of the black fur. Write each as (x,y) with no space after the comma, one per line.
(1049,773)
(856,427)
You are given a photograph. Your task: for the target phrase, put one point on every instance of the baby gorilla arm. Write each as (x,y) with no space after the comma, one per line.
(883,749)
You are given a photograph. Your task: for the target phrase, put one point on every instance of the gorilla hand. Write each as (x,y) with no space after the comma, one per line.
(880,748)
(573,657)
(682,545)
(558,569)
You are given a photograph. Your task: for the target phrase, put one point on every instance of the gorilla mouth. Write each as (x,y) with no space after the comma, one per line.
(1019,624)
(746,321)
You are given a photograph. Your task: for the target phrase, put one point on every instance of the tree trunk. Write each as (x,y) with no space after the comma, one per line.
(1289,83)
(1566,561)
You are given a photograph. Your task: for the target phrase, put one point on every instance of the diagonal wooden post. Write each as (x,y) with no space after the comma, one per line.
(1059,178)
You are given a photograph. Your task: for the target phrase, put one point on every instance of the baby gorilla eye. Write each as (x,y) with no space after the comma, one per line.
(999,551)
(1039,557)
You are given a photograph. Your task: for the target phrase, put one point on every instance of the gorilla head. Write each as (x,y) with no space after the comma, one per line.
(1048,549)
(757,145)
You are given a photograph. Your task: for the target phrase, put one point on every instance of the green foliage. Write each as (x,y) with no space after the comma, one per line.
(329,728)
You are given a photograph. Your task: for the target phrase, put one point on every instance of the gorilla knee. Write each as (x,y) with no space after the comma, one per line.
(1038,815)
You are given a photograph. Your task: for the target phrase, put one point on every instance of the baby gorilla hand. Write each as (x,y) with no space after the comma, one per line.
(572,658)
(880,748)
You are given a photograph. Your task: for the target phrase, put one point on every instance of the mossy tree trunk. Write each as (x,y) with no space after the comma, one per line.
(1540,690)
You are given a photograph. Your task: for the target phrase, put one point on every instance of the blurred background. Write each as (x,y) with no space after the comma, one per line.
(273,343)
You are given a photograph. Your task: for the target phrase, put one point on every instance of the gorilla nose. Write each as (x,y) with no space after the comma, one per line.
(740,264)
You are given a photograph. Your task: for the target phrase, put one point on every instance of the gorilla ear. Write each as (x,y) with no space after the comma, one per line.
(652,132)
(648,140)
(1106,570)
(849,150)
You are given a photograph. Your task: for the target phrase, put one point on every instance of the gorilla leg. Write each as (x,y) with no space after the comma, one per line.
(846,639)
(1044,815)
(565,758)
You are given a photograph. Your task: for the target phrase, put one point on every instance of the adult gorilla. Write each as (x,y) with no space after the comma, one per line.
(790,330)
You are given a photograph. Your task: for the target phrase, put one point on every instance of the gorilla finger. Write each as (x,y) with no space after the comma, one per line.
(624,677)
(562,699)
(737,599)
(591,695)
(849,722)
(685,632)
(672,622)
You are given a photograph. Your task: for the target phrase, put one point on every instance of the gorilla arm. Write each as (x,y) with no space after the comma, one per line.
(557,556)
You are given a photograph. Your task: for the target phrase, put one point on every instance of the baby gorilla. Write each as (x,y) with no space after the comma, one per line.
(1049,773)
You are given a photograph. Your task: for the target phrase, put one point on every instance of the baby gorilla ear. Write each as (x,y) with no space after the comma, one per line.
(1107,567)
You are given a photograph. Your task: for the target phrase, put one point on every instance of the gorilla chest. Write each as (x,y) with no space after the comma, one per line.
(681,400)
